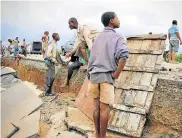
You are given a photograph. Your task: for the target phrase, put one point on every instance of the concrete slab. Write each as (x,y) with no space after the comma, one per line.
(57,124)
(85,104)
(79,121)
(8,81)
(16,102)
(7,70)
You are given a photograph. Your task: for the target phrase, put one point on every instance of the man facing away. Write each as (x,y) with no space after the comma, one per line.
(107,60)
(85,38)
(174,40)
(51,59)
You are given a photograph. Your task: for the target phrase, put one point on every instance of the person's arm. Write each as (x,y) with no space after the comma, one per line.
(59,59)
(121,56)
(50,52)
(54,54)
(169,36)
(121,65)
(75,47)
(179,37)
(86,34)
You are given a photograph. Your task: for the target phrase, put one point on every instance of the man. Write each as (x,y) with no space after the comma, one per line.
(75,66)
(22,54)
(45,41)
(24,43)
(85,38)
(16,49)
(51,59)
(107,60)
(10,46)
(174,40)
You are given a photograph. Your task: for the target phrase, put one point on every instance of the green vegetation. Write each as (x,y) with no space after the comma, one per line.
(179,58)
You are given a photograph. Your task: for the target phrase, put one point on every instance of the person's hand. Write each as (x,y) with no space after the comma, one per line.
(115,75)
(68,55)
(180,42)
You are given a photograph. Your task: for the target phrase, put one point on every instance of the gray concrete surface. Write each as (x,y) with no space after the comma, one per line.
(7,70)
(17,101)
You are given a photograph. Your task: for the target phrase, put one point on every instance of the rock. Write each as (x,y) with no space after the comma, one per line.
(66,134)
(57,124)
(78,121)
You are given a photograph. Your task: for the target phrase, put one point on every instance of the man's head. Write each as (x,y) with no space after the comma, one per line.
(73,23)
(16,38)
(110,19)
(174,22)
(10,40)
(46,33)
(55,36)
(24,40)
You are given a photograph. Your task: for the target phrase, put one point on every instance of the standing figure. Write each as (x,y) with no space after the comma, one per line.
(51,59)
(45,41)
(174,40)
(107,60)
(24,43)
(16,49)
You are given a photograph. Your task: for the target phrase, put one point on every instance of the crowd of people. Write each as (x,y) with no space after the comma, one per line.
(102,54)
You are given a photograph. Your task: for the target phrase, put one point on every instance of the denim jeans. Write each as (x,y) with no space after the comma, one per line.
(16,51)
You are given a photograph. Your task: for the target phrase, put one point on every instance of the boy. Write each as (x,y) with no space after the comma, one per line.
(45,40)
(22,54)
(174,40)
(107,60)
(51,59)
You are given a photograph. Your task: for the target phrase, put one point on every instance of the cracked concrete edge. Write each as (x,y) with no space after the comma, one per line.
(73,126)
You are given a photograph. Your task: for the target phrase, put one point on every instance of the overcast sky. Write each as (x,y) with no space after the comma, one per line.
(29,19)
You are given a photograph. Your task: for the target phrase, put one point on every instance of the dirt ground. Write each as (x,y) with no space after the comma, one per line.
(65,100)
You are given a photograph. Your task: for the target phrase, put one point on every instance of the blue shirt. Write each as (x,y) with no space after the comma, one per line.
(172,31)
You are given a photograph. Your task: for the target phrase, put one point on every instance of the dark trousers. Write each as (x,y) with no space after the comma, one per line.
(50,75)
(74,58)
(74,65)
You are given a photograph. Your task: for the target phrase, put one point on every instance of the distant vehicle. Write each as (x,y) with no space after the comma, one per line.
(36,48)
(67,47)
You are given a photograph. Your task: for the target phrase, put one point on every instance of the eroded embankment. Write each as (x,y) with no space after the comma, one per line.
(33,71)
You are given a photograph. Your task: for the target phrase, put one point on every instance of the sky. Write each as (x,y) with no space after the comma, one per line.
(29,19)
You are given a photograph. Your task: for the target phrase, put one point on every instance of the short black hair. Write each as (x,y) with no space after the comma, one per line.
(54,35)
(24,39)
(174,22)
(10,40)
(73,20)
(106,17)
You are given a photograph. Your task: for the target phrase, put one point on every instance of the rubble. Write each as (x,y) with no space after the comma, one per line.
(74,122)
(17,101)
